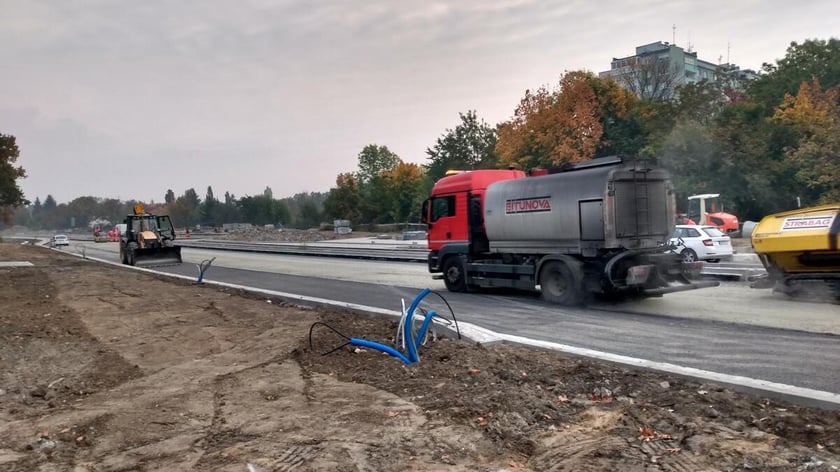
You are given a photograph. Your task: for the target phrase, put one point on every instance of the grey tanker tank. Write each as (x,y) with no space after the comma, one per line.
(590,209)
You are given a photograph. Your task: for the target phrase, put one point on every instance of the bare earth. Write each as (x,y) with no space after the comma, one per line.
(107,369)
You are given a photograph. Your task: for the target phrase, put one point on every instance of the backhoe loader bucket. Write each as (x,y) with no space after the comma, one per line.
(157,256)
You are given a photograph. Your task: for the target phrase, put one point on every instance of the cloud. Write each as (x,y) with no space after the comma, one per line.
(285,93)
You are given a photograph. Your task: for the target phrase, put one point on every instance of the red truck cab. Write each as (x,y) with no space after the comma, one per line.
(456,205)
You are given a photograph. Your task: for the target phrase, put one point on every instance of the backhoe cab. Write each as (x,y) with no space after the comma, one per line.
(707,209)
(148,240)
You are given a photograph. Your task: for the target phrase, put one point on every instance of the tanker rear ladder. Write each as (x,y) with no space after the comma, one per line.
(642,202)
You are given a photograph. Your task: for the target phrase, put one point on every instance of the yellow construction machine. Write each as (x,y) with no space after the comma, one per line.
(148,240)
(800,249)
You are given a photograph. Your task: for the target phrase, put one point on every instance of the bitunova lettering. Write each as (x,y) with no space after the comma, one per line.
(528,205)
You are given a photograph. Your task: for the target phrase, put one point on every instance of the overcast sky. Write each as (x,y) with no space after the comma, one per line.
(126,99)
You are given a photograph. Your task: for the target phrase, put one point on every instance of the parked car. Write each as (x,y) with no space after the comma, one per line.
(701,243)
(59,240)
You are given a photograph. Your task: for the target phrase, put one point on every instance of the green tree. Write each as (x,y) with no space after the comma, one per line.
(84,210)
(51,217)
(191,199)
(471,145)
(308,216)
(230,212)
(11,195)
(113,210)
(373,160)
(262,210)
(344,200)
(210,209)
(185,210)
(169,197)
(305,209)
(753,172)
(803,62)
(700,102)
(692,156)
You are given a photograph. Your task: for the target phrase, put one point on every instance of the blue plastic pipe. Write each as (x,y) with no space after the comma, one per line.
(380,347)
(412,347)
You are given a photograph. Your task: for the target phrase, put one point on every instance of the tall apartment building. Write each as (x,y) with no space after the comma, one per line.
(657,69)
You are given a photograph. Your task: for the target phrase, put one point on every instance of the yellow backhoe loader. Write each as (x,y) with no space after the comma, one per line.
(148,240)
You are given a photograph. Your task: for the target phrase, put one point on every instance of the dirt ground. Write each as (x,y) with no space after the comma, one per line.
(106,369)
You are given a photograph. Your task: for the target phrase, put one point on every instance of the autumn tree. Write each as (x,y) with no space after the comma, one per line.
(470,145)
(814,114)
(552,127)
(11,195)
(404,185)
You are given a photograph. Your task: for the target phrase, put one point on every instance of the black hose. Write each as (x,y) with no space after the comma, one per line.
(451,312)
(311,347)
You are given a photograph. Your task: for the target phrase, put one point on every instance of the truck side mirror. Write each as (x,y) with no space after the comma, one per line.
(424,212)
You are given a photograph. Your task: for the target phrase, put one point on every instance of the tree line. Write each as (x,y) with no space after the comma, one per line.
(765,144)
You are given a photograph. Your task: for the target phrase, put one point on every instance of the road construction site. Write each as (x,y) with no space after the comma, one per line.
(112,368)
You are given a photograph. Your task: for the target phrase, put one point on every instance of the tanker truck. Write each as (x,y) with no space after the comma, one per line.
(595,227)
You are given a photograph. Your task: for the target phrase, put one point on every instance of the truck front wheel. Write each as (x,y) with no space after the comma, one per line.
(455,274)
(562,282)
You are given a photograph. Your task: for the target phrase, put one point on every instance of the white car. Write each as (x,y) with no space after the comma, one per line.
(59,240)
(701,243)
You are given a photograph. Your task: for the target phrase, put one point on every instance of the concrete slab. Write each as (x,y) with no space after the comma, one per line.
(15,264)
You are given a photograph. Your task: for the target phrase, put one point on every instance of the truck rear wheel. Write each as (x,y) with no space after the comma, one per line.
(561,282)
(455,274)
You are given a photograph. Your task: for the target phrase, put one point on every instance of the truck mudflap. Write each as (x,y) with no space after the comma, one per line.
(680,287)
(654,272)
(157,256)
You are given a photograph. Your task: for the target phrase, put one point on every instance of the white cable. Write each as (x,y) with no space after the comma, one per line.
(399,339)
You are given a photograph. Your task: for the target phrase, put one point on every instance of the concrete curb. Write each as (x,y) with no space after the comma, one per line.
(762,388)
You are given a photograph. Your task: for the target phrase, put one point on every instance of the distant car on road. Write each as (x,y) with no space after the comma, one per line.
(59,240)
(701,243)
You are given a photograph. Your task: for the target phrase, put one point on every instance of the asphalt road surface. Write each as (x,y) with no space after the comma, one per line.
(730,329)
